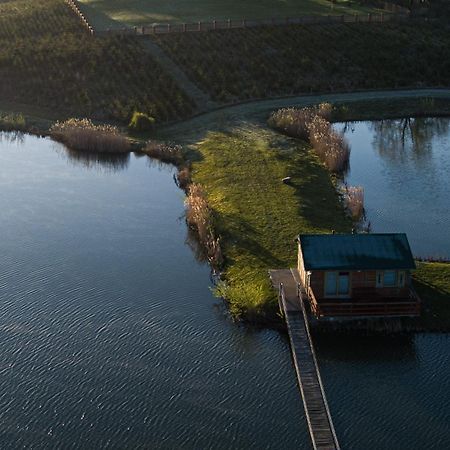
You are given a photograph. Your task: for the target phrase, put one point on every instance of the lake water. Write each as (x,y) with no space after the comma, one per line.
(404,167)
(111,338)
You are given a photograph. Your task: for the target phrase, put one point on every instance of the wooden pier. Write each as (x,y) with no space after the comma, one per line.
(318,415)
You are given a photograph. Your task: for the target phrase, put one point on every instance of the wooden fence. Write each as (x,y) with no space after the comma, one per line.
(241,23)
(246,23)
(73,4)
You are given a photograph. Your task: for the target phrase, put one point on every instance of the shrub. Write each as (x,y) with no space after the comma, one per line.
(13,122)
(82,134)
(141,122)
(168,153)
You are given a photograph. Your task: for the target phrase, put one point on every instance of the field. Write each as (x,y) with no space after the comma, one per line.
(262,62)
(144,12)
(48,62)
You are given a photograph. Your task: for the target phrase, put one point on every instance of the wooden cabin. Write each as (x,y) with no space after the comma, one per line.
(358,275)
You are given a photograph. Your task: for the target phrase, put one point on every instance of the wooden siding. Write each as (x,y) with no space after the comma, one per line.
(362,283)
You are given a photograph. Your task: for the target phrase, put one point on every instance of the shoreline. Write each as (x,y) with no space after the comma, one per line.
(350,107)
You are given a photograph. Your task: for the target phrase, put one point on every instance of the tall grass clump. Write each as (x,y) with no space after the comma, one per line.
(354,201)
(199,217)
(168,153)
(83,135)
(313,125)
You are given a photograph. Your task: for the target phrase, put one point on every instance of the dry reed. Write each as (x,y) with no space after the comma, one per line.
(183,178)
(199,217)
(167,153)
(313,125)
(354,201)
(82,134)
(330,145)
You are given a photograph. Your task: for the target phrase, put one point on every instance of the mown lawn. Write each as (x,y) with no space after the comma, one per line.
(141,12)
(256,215)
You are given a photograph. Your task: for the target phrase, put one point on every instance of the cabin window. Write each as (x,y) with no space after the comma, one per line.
(337,284)
(390,278)
(331,283)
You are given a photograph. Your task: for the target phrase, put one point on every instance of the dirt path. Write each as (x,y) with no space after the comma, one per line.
(226,117)
(202,100)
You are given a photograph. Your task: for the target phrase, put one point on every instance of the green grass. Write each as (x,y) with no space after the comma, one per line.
(49,62)
(380,109)
(273,61)
(256,215)
(143,12)
(432,282)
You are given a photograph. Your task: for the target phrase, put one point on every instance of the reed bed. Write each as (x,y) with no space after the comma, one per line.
(83,135)
(168,153)
(354,201)
(199,217)
(183,178)
(313,125)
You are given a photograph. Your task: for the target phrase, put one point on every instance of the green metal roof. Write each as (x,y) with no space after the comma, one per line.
(356,252)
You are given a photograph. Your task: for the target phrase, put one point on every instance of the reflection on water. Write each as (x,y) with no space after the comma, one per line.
(113,162)
(409,137)
(403,166)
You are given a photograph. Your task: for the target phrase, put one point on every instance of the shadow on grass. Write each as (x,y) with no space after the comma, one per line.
(319,202)
(240,234)
(435,306)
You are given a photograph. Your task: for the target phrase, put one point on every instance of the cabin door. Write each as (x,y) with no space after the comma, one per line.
(337,284)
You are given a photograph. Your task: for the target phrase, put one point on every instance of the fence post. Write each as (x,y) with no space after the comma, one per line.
(184,28)
(243,23)
(168,27)
(154,29)
(215,24)
(199,26)
(229,23)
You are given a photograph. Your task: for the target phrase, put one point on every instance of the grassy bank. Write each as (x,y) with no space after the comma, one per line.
(432,281)
(144,12)
(47,60)
(257,216)
(271,61)
(382,109)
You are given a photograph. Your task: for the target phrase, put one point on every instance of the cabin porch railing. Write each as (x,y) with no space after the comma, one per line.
(375,308)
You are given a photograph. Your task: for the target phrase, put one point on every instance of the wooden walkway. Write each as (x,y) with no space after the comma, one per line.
(317,412)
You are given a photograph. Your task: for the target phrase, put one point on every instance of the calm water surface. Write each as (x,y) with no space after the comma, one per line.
(404,167)
(110,337)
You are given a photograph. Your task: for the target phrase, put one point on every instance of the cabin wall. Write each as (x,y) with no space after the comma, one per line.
(317,281)
(301,266)
(362,283)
